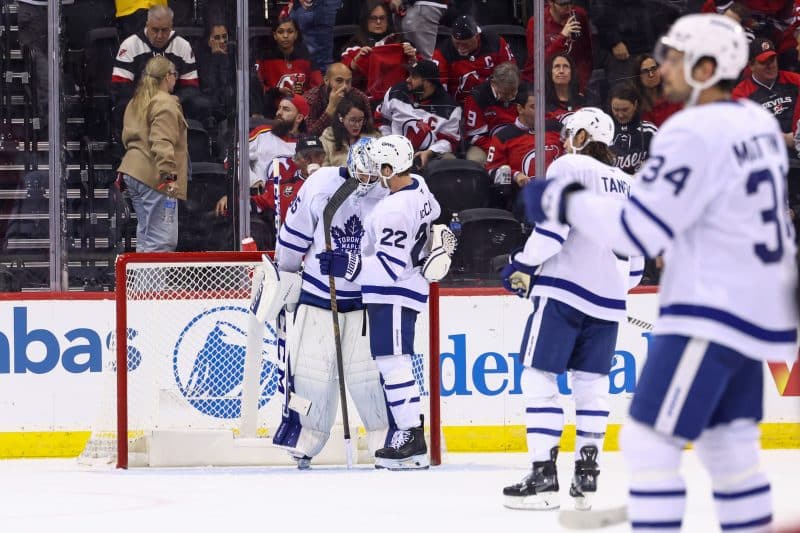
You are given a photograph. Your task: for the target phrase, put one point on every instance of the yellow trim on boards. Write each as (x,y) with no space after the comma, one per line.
(38,444)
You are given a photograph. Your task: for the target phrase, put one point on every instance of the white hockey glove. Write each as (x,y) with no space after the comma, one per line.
(443,246)
(272,290)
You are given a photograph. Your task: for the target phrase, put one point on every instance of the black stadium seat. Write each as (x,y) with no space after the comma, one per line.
(514,36)
(485,235)
(458,184)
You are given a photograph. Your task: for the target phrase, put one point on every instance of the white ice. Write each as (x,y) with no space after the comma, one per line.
(464,495)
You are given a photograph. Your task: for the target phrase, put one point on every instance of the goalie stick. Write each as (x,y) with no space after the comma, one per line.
(639,323)
(335,201)
(574,519)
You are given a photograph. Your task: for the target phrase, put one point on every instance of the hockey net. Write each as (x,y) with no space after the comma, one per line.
(182,326)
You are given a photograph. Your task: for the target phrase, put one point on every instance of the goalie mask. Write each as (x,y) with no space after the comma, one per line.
(394,152)
(599,127)
(361,167)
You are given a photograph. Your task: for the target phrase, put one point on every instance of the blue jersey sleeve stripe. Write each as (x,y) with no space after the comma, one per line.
(296,233)
(394,291)
(730,320)
(391,258)
(652,216)
(631,236)
(555,236)
(581,292)
(292,246)
(324,287)
(387,268)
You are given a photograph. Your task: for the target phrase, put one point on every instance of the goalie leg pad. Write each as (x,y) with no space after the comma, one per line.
(402,390)
(657,493)
(742,495)
(544,416)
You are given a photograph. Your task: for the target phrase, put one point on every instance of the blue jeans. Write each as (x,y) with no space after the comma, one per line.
(154,231)
(316,25)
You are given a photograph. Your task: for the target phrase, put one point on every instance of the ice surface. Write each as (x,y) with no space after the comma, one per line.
(464,495)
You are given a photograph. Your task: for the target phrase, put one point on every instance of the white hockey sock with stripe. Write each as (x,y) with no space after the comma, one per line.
(402,390)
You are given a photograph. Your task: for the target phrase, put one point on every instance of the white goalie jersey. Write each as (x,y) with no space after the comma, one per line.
(302,236)
(712,199)
(575,269)
(396,245)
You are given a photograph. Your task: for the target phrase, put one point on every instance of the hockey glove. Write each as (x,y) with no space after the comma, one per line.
(547,199)
(518,277)
(339,264)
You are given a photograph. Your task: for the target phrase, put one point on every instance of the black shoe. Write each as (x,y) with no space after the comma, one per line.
(538,490)
(584,481)
(406,451)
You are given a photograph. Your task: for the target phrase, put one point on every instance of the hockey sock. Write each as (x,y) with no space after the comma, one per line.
(591,409)
(402,390)
(544,416)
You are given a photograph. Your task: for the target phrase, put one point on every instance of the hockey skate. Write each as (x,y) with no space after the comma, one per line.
(303,461)
(584,482)
(538,491)
(406,451)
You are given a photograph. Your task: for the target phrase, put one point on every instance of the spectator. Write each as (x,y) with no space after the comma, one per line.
(469,57)
(323,100)
(154,168)
(511,158)
(567,31)
(131,15)
(352,121)
(217,72)
(157,38)
(422,111)
(376,54)
(491,104)
(287,67)
(776,90)
(419,20)
(561,90)
(293,170)
(316,19)
(626,28)
(279,139)
(647,78)
(632,135)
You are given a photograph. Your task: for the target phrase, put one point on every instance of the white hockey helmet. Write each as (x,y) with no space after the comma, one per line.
(706,35)
(393,150)
(361,167)
(598,126)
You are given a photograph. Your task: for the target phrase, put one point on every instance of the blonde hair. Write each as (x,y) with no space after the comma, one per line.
(154,72)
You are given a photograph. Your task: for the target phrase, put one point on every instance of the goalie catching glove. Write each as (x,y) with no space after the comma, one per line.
(443,246)
(518,277)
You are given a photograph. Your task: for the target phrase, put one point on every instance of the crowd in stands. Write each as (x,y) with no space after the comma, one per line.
(430,71)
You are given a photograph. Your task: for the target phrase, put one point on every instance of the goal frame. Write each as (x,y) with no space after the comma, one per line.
(122,262)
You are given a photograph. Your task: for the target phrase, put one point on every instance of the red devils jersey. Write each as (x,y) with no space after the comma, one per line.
(484,114)
(514,145)
(290,182)
(460,74)
(277,71)
(780,99)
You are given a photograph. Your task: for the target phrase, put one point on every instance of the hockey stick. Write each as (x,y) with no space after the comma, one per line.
(574,519)
(336,200)
(640,323)
(280,320)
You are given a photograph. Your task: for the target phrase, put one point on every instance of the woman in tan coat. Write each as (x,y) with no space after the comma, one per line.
(154,167)
(350,122)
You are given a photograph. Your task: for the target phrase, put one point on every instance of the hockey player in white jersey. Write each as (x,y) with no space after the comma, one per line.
(389,270)
(313,376)
(712,198)
(574,323)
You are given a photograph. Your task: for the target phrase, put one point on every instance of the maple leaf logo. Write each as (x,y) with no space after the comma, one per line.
(349,238)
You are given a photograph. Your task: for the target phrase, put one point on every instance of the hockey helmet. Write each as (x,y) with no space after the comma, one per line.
(361,167)
(598,126)
(393,150)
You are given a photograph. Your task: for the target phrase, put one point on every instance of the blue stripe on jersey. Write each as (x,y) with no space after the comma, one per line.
(385,259)
(394,291)
(577,290)
(324,287)
(631,236)
(636,273)
(730,320)
(550,234)
(556,410)
(297,233)
(652,216)
(763,521)
(344,305)
(292,246)
(742,494)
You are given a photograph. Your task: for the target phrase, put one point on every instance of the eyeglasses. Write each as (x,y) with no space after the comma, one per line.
(379,18)
(355,121)
(173,73)
(221,37)
(649,71)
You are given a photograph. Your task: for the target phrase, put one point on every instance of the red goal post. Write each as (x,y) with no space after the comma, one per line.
(168,301)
